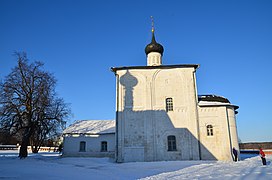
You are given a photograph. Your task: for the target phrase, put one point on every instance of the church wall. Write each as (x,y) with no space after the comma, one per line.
(219,145)
(130,117)
(233,128)
(143,123)
(71,145)
(177,84)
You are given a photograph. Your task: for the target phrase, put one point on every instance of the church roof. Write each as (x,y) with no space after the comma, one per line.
(214,100)
(154,46)
(91,127)
(114,69)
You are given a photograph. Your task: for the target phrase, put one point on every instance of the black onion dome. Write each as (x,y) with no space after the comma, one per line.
(154,46)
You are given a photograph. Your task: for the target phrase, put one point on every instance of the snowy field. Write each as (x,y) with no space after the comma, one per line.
(51,166)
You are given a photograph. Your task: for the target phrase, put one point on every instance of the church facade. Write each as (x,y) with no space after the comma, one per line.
(160,116)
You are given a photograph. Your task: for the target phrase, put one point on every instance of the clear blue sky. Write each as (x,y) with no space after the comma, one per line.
(80,40)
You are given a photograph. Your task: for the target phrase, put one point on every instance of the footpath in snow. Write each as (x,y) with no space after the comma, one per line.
(247,169)
(51,166)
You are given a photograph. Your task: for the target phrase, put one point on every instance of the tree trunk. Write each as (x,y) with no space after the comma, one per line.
(35,143)
(25,141)
(23,149)
(35,149)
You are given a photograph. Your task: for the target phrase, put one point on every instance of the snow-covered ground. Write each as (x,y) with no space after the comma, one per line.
(51,166)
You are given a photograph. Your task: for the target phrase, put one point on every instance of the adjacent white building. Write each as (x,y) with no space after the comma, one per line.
(93,138)
(161,117)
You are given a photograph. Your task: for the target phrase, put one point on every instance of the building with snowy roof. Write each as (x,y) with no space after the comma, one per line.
(161,117)
(93,138)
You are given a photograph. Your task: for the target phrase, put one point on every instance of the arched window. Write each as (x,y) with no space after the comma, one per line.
(172,146)
(209,130)
(104,146)
(169,104)
(82,146)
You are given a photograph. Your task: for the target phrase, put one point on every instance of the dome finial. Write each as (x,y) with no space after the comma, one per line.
(152,23)
(153,46)
(153,30)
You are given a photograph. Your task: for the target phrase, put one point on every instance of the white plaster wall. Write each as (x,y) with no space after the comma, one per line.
(93,145)
(233,128)
(219,146)
(144,124)
(179,84)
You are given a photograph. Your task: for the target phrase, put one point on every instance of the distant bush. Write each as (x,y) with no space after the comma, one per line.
(256,145)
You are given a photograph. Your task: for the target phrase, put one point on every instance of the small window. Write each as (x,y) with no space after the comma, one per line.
(104,146)
(171,143)
(169,104)
(209,130)
(82,146)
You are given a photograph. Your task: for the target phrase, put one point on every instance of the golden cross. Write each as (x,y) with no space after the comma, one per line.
(152,22)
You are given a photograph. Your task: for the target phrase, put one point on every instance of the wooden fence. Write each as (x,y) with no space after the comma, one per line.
(42,149)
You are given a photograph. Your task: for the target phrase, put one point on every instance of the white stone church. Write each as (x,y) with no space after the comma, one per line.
(160,116)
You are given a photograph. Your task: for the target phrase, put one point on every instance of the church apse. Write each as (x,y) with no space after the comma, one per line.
(145,132)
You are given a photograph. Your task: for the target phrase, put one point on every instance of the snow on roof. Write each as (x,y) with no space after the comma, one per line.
(213,98)
(91,127)
(212,103)
(216,103)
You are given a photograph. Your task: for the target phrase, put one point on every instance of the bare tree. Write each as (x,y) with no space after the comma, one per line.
(29,106)
(48,127)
